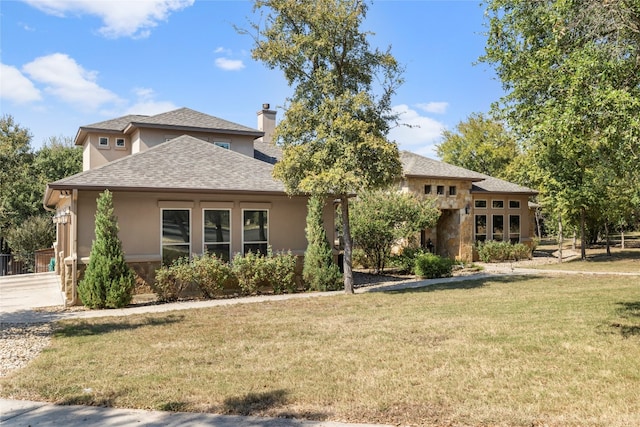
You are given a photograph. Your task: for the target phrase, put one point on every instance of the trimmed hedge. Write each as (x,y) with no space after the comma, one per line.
(493,251)
(432,266)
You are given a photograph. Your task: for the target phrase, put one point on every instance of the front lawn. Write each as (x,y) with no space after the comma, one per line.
(512,351)
(620,261)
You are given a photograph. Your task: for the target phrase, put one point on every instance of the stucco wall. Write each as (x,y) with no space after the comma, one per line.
(240,143)
(140,226)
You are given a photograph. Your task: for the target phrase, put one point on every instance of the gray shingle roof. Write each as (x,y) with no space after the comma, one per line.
(417,165)
(181,164)
(117,124)
(266,152)
(496,185)
(186,118)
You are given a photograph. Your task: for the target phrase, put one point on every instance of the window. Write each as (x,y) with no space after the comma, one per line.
(217,233)
(440,190)
(498,228)
(120,143)
(514,204)
(103,141)
(497,204)
(255,231)
(481,228)
(452,190)
(176,234)
(427,189)
(480,204)
(514,228)
(222,144)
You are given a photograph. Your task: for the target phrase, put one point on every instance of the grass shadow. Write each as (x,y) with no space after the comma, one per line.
(87,328)
(88,399)
(461,284)
(254,403)
(630,312)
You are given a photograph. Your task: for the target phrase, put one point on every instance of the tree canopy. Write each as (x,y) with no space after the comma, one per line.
(571,72)
(335,126)
(480,144)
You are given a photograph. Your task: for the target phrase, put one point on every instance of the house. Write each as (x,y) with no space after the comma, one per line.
(475,207)
(185,183)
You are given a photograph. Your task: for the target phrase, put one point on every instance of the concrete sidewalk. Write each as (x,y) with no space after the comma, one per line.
(14,413)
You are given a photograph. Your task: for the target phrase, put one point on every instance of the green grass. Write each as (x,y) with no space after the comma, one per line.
(516,351)
(620,261)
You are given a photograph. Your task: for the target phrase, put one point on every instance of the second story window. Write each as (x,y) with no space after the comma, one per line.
(103,141)
(120,143)
(440,190)
(222,144)
(452,190)
(427,189)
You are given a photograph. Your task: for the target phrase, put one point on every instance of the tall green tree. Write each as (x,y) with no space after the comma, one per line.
(108,281)
(571,72)
(36,232)
(334,130)
(382,218)
(481,144)
(58,158)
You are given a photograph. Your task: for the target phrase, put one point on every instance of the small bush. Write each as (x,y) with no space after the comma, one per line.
(492,251)
(405,261)
(432,266)
(282,272)
(250,271)
(172,280)
(211,274)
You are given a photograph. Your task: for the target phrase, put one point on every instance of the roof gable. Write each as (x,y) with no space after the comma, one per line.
(417,165)
(181,164)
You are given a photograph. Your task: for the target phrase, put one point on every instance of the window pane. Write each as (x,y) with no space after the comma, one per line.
(498,204)
(255,226)
(175,226)
(481,203)
(452,190)
(221,251)
(172,252)
(514,204)
(217,226)
(255,248)
(498,227)
(440,189)
(481,228)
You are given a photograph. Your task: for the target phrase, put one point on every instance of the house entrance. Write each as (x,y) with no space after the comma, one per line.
(448,233)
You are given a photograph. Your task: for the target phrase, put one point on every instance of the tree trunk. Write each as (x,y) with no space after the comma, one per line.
(537,216)
(583,247)
(346,235)
(606,232)
(622,239)
(560,238)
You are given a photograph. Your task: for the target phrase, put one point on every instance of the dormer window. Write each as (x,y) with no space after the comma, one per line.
(103,141)
(221,144)
(120,143)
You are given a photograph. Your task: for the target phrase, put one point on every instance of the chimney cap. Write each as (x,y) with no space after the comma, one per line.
(266,106)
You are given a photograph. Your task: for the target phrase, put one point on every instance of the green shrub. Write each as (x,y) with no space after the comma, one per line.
(319,272)
(211,274)
(250,271)
(492,251)
(171,281)
(432,266)
(282,272)
(405,261)
(108,281)
(36,232)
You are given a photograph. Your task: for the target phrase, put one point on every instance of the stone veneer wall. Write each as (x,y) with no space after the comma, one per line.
(453,236)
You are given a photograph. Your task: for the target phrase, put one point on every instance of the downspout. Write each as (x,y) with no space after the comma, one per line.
(74,249)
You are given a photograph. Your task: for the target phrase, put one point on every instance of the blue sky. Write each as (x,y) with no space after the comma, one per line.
(68,63)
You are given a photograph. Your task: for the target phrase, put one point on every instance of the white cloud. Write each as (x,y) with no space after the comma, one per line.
(418,134)
(224,50)
(229,64)
(16,87)
(146,103)
(120,18)
(64,78)
(434,107)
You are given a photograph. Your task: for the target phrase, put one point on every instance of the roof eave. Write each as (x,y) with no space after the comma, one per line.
(157,189)
(454,178)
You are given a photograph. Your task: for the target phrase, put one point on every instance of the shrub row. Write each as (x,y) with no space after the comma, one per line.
(493,251)
(251,274)
(422,263)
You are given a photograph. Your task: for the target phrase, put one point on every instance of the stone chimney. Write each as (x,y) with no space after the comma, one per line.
(266,123)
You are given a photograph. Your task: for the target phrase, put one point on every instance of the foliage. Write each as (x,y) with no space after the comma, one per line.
(36,232)
(495,251)
(382,218)
(405,261)
(255,272)
(571,71)
(480,144)
(25,173)
(334,131)
(432,266)
(108,281)
(211,274)
(320,272)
